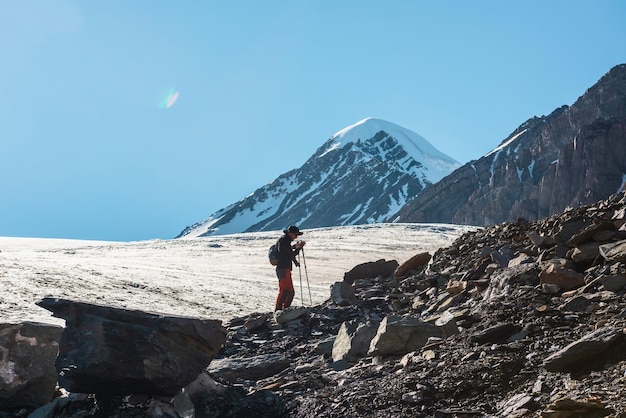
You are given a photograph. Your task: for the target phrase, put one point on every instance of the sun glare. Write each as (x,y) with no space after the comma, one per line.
(169,100)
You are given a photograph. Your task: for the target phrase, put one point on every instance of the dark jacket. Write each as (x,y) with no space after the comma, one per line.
(286,254)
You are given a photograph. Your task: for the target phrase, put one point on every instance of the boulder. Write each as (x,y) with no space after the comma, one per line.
(400,335)
(564,278)
(371,269)
(496,334)
(578,303)
(585,253)
(255,323)
(565,408)
(289,314)
(540,240)
(325,347)
(613,282)
(502,256)
(343,294)
(353,340)
(615,251)
(414,263)
(589,232)
(108,350)
(27,373)
(248,368)
(578,354)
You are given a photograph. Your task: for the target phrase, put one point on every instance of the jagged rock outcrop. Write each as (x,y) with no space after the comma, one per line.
(574,156)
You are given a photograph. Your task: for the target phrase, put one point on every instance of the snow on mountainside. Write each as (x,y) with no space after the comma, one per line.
(436,164)
(363,174)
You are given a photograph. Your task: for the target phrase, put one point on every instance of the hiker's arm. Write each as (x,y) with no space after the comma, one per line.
(297,247)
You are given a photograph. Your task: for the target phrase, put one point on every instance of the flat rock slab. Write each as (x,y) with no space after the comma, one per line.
(575,355)
(108,350)
(250,368)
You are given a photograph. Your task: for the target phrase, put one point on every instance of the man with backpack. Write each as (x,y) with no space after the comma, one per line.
(286,257)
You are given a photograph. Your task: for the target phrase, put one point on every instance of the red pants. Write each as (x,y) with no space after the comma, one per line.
(285,289)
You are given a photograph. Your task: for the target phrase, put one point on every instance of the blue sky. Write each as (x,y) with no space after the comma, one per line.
(88,151)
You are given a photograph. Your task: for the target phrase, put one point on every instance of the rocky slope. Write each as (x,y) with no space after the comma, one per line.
(572,157)
(523,319)
(541,314)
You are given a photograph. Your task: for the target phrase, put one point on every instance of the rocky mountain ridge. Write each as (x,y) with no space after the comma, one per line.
(574,156)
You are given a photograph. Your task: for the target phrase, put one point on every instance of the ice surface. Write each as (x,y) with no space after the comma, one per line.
(217,277)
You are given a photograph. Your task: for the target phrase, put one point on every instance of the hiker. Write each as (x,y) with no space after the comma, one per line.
(286,258)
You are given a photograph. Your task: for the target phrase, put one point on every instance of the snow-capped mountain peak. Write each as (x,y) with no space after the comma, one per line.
(416,146)
(363,174)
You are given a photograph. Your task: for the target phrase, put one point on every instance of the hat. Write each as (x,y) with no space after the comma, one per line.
(293,229)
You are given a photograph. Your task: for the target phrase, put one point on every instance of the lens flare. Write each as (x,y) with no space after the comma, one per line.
(169,100)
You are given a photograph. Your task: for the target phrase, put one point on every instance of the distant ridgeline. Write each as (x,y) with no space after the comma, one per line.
(572,157)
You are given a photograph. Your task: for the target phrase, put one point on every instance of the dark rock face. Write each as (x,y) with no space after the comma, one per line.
(27,374)
(574,156)
(105,350)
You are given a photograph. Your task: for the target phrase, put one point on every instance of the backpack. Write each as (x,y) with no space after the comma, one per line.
(273,255)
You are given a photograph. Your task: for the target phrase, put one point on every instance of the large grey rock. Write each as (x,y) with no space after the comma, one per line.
(343,294)
(589,232)
(109,350)
(502,256)
(585,253)
(613,282)
(353,340)
(399,335)
(540,240)
(27,373)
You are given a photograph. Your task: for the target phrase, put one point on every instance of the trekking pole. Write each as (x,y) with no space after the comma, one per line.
(300,270)
(307,278)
